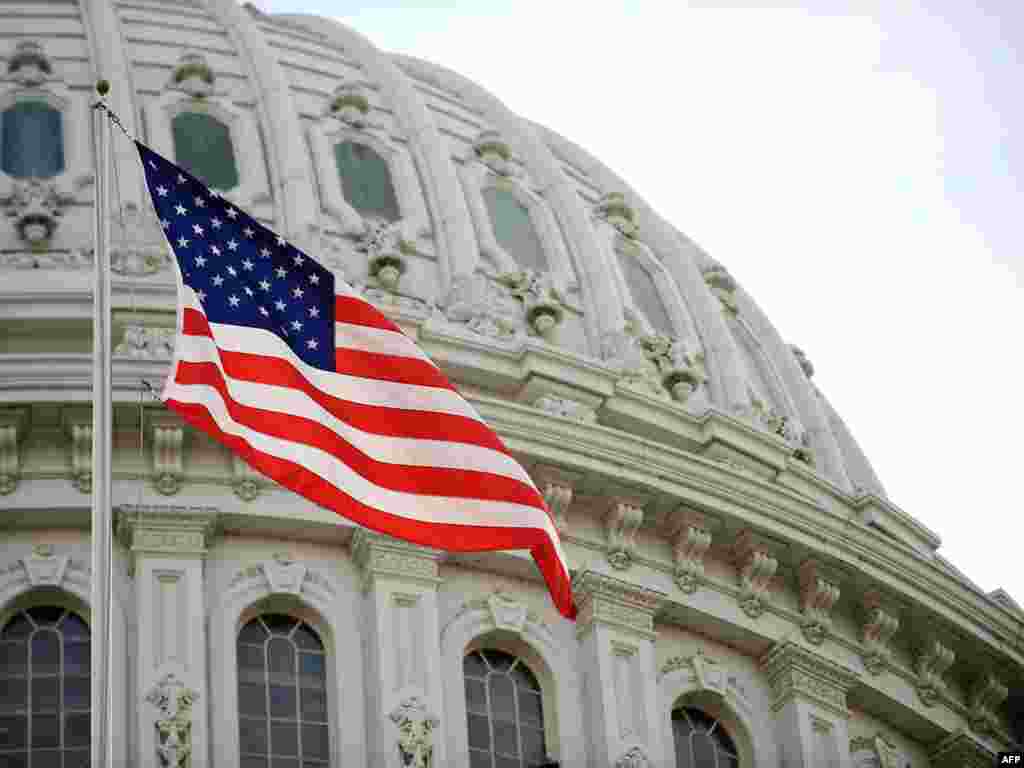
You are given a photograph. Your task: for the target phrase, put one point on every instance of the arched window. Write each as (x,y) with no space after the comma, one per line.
(701,741)
(646,296)
(513,228)
(366,181)
(44,689)
(504,712)
(202,146)
(33,140)
(282,694)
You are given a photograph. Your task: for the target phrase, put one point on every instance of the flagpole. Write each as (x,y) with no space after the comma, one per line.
(101,449)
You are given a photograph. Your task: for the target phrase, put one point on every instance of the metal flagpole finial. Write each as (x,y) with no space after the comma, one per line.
(103,88)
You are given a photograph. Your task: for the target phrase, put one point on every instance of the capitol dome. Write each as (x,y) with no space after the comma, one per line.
(749,595)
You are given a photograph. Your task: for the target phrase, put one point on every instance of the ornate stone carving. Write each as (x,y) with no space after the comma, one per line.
(494,152)
(566,408)
(987,695)
(688,549)
(622,521)
(168,441)
(283,574)
(802,360)
(416,726)
(386,246)
(558,497)
(756,571)
(246,480)
(722,285)
(80,433)
(142,342)
(45,569)
(932,663)
(634,757)
(137,245)
(13,423)
(507,612)
(606,600)
(193,75)
(681,367)
(879,627)
(166,530)
(29,66)
(708,673)
(818,595)
(614,209)
(793,670)
(380,555)
(173,699)
(623,351)
(350,105)
(485,307)
(541,300)
(35,205)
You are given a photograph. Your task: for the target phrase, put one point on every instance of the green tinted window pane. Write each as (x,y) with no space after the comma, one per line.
(33,140)
(513,229)
(645,295)
(202,146)
(366,181)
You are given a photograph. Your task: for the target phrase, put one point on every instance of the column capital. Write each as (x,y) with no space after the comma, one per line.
(603,599)
(795,671)
(383,556)
(167,530)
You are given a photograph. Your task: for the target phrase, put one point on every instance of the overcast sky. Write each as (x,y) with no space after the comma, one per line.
(854,172)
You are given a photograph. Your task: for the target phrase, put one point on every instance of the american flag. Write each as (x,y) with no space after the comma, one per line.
(280,360)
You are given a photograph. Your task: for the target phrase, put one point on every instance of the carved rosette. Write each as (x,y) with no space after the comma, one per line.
(796,671)
(35,205)
(688,550)
(12,431)
(614,209)
(173,700)
(756,571)
(987,695)
(168,440)
(634,757)
(722,285)
(818,595)
(416,725)
(622,521)
(880,625)
(932,663)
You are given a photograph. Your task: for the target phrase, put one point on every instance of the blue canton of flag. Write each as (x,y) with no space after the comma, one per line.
(242,272)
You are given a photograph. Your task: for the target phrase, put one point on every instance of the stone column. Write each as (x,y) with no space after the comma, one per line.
(403,651)
(615,629)
(809,703)
(167,547)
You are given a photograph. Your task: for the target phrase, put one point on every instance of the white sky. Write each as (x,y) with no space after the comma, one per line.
(853,172)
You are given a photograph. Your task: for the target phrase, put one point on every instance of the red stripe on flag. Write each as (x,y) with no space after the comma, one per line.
(352,309)
(456,538)
(402,370)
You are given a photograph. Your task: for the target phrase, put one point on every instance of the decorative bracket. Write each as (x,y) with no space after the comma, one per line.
(932,663)
(168,440)
(689,547)
(247,481)
(622,521)
(283,574)
(557,487)
(13,426)
(879,627)
(508,613)
(45,569)
(988,693)
(174,722)
(416,725)
(756,571)
(818,595)
(78,426)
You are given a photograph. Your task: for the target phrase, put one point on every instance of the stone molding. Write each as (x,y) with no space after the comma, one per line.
(382,556)
(819,592)
(962,750)
(987,694)
(167,531)
(794,671)
(143,342)
(879,627)
(622,520)
(13,427)
(566,408)
(43,568)
(608,601)
(756,571)
(933,660)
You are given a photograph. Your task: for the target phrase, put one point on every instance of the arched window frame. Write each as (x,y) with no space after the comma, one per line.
(483,627)
(253,189)
(314,601)
(325,134)
(74,126)
(477,177)
(626,248)
(718,696)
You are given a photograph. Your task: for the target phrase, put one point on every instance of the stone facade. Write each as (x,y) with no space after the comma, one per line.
(732,550)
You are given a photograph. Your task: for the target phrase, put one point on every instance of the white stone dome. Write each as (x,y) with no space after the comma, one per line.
(688,457)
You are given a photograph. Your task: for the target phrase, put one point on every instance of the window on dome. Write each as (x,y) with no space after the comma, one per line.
(701,741)
(503,711)
(282,694)
(33,140)
(513,229)
(44,688)
(646,296)
(202,146)
(366,181)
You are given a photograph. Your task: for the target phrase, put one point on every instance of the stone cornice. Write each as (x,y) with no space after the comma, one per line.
(612,602)
(167,531)
(384,557)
